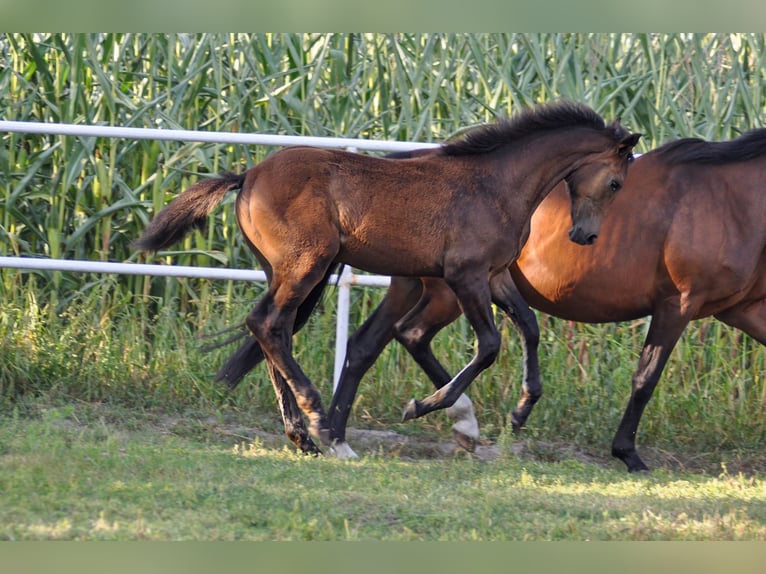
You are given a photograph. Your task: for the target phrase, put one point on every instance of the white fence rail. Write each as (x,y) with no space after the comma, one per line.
(346,280)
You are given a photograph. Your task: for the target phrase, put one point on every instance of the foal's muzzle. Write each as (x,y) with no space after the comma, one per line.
(582,237)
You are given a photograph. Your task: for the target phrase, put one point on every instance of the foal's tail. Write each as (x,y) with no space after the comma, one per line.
(187,211)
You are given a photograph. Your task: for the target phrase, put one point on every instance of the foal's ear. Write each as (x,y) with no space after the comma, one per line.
(627,143)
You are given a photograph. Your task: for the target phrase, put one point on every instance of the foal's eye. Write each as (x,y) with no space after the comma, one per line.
(615,185)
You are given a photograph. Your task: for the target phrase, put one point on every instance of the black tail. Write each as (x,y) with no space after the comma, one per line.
(249,354)
(188,211)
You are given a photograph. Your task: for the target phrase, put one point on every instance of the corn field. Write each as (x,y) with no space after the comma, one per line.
(136,338)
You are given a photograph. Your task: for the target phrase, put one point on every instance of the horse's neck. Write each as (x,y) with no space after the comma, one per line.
(541,166)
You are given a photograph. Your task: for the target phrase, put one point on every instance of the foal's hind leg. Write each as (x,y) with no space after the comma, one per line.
(292,418)
(249,354)
(272,322)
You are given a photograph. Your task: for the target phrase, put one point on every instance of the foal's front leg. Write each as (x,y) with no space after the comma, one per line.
(473,293)
(436,309)
(364,346)
(506,295)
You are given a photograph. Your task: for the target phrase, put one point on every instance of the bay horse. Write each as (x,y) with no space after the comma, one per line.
(461,214)
(684,239)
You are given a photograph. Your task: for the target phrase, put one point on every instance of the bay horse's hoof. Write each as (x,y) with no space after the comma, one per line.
(631,460)
(464,441)
(410,411)
(342,451)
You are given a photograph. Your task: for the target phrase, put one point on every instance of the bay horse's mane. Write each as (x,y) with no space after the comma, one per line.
(751,145)
(487,138)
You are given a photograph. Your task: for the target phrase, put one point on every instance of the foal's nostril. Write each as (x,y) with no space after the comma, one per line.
(577,235)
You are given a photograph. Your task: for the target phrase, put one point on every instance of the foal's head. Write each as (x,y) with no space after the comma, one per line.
(594,183)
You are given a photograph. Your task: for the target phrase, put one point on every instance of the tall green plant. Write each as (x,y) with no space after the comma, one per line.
(88,198)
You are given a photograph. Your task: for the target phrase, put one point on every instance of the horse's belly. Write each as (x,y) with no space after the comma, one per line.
(396,261)
(584,298)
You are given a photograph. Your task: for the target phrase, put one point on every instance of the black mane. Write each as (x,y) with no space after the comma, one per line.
(751,145)
(486,138)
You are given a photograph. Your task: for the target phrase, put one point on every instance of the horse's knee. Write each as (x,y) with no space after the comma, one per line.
(642,388)
(489,349)
(357,358)
(412,337)
(255,323)
(532,335)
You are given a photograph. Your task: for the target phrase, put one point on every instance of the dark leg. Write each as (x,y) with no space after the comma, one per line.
(363,348)
(292,418)
(272,322)
(506,296)
(249,354)
(473,293)
(436,309)
(664,331)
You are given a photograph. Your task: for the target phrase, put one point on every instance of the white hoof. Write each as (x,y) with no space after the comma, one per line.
(342,451)
(465,419)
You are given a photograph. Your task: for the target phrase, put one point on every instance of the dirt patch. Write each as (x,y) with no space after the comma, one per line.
(392,444)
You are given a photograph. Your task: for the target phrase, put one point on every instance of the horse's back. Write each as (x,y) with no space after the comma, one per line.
(388,216)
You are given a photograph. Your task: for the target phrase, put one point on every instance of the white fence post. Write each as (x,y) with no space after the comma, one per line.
(341,323)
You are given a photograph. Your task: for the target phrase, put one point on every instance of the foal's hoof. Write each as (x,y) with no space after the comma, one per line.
(464,441)
(312,450)
(516,423)
(410,411)
(321,433)
(307,447)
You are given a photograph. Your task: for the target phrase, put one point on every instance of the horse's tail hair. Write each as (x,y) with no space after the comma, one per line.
(188,211)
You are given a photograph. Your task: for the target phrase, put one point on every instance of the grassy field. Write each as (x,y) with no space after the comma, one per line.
(94,364)
(95,473)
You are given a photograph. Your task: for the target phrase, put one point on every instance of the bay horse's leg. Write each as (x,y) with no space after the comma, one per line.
(473,292)
(665,329)
(506,296)
(292,418)
(437,308)
(273,321)
(364,346)
(250,354)
(749,317)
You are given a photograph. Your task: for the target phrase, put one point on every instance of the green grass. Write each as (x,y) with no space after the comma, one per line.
(708,407)
(77,474)
(132,344)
